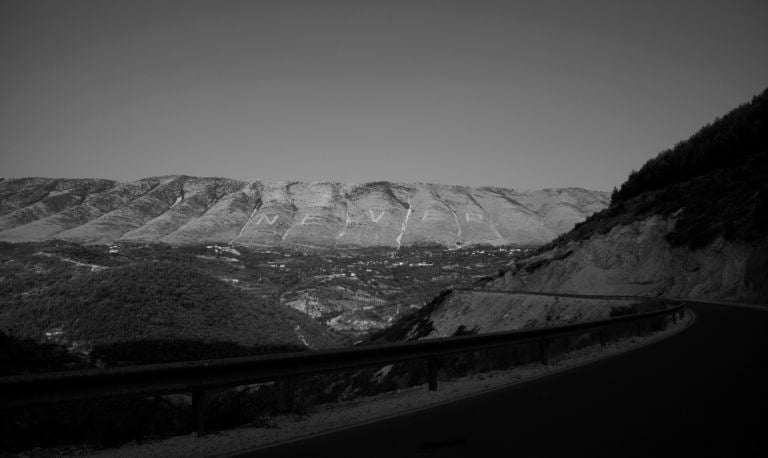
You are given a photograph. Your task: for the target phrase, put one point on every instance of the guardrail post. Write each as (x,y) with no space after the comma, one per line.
(199,401)
(285,395)
(602,338)
(544,346)
(432,367)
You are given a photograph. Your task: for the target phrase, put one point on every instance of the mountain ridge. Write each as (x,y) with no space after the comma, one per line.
(180,209)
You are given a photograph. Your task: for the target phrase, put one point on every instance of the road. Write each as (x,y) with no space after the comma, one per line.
(699,393)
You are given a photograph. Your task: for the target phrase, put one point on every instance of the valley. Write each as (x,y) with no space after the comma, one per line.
(98,274)
(216,216)
(313,299)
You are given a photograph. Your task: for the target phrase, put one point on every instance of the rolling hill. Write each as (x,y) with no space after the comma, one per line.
(157,306)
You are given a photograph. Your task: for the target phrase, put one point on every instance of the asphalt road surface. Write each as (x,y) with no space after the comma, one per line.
(699,393)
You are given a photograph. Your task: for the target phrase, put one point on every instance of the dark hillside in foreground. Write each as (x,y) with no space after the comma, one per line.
(154,301)
(20,356)
(350,292)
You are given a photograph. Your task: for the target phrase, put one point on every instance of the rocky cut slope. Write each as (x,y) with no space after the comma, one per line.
(692,222)
(187,210)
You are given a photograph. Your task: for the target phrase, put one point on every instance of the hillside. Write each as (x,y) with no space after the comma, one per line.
(350,291)
(158,305)
(692,222)
(186,210)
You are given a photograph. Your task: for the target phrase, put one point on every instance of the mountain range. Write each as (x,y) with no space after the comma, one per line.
(189,210)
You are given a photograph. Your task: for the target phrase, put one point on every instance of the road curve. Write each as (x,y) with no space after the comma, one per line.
(698,393)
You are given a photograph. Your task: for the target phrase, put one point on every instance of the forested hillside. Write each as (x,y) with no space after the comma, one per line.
(730,141)
(155,311)
(715,183)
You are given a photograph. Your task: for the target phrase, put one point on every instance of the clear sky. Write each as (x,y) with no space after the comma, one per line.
(527,94)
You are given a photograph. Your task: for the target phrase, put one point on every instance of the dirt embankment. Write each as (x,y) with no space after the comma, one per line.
(474,311)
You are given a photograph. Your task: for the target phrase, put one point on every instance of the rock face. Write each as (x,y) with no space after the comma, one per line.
(483,312)
(631,259)
(635,259)
(185,210)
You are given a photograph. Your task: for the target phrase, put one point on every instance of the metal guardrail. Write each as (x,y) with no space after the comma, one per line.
(572,295)
(200,376)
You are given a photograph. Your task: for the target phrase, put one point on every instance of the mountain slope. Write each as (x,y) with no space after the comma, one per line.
(187,210)
(154,301)
(692,222)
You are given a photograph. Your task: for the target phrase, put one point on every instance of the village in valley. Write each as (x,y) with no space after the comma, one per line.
(356,291)
(353,292)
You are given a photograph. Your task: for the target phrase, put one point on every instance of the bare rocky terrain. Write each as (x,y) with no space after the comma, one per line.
(636,259)
(190,210)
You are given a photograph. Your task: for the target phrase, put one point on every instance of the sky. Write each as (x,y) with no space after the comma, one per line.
(520,94)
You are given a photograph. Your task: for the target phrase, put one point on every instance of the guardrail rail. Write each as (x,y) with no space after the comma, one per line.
(199,377)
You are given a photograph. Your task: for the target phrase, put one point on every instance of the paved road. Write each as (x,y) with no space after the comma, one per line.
(698,393)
